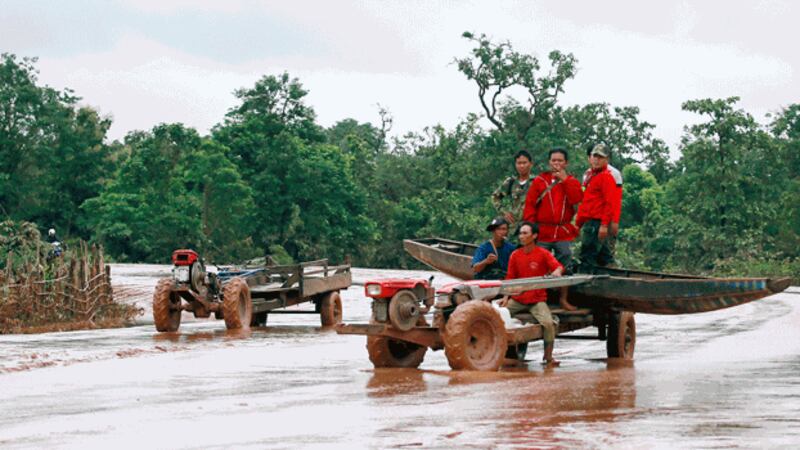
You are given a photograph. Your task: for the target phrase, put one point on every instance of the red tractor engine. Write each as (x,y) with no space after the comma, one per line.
(402,302)
(188,269)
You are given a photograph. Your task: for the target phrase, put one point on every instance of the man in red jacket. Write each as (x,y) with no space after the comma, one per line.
(613,228)
(552,199)
(533,261)
(598,210)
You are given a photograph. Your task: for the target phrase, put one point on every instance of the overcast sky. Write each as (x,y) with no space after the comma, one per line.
(144,62)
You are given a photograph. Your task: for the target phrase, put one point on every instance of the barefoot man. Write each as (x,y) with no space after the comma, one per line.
(534,261)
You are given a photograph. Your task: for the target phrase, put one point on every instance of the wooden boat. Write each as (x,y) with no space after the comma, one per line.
(630,290)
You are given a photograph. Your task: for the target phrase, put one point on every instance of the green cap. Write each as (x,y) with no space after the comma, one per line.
(601,149)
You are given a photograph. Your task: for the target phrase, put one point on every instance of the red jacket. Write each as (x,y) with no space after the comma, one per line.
(602,198)
(534,264)
(555,211)
(617,179)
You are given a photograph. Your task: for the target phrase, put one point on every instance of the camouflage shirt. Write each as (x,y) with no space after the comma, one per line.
(514,192)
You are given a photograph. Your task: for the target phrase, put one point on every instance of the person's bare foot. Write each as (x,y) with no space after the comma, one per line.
(567,305)
(562,299)
(551,363)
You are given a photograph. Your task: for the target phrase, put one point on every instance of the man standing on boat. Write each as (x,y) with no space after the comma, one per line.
(601,203)
(533,261)
(514,189)
(613,228)
(551,203)
(490,260)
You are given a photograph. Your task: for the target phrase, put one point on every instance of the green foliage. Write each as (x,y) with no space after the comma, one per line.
(52,153)
(722,190)
(306,198)
(20,243)
(630,138)
(497,67)
(271,181)
(176,190)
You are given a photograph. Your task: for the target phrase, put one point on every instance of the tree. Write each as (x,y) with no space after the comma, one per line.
(719,199)
(786,130)
(176,190)
(52,152)
(497,68)
(306,199)
(631,139)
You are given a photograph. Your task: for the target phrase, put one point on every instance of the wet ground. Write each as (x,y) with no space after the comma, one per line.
(727,379)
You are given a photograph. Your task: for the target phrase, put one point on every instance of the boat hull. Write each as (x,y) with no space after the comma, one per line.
(630,290)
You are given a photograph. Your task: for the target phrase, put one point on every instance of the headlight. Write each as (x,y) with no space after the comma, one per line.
(374,290)
(181,274)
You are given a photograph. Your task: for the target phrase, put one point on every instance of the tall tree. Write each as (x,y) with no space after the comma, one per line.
(718,197)
(306,199)
(175,190)
(52,152)
(496,68)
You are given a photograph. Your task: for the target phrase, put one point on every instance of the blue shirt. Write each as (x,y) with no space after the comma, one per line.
(498,269)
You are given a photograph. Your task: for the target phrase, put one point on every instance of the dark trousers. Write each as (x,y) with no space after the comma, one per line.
(594,251)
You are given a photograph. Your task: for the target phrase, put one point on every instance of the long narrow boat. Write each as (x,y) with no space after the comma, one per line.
(631,290)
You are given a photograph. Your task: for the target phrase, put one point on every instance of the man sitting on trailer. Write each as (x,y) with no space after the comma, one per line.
(533,261)
(490,260)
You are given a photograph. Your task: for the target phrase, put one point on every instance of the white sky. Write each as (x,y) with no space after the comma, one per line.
(152,61)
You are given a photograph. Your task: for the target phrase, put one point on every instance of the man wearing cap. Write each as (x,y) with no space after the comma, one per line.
(533,261)
(515,189)
(598,210)
(613,228)
(490,260)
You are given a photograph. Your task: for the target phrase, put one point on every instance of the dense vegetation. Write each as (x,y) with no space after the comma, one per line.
(270,179)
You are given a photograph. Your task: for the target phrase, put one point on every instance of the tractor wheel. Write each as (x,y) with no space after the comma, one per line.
(236,305)
(387,352)
(166,307)
(621,335)
(517,351)
(259,319)
(330,309)
(475,337)
(404,310)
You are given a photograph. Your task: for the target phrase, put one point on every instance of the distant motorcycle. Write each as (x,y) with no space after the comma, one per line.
(56,250)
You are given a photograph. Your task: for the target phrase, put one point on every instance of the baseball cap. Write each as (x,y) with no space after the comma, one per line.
(496,222)
(600,149)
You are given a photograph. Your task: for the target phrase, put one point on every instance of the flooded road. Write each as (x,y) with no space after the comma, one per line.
(726,379)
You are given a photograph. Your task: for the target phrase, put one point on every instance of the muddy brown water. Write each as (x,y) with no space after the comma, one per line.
(726,379)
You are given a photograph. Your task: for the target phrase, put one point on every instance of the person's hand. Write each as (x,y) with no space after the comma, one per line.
(509,217)
(503,302)
(602,234)
(490,259)
(613,228)
(561,175)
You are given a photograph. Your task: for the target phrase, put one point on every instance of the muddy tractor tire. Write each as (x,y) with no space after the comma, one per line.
(259,319)
(404,310)
(387,352)
(330,309)
(237,308)
(475,337)
(621,335)
(166,307)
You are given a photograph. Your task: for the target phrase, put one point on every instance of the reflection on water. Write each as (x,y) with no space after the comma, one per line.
(730,378)
(538,409)
(386,382)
